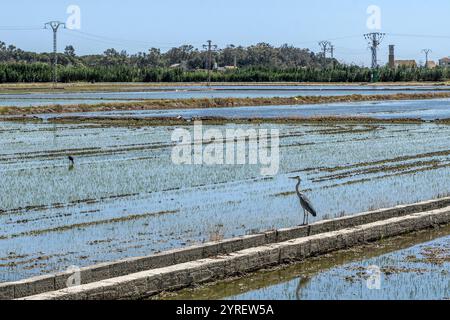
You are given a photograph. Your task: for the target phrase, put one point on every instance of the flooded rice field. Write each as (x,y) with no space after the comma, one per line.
(124,197)
(411,267)
(36,99)
(406,109)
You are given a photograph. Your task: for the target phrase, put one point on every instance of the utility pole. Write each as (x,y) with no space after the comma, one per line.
(427,52)
(374,39)
(54,25)
(210,47)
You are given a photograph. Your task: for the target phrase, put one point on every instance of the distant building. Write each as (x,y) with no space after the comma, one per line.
(406,63)
(181,65)
(399,63)
(431,64)
(444,62)
(225,68)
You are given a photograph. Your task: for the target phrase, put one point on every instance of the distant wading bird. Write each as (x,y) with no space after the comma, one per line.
(304,202)
(72,160)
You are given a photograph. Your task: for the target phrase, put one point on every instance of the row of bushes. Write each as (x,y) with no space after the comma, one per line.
(41,72)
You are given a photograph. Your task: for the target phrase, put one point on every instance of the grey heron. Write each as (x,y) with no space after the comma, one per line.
(304,202)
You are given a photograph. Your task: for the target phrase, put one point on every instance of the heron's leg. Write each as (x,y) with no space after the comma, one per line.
(304,216)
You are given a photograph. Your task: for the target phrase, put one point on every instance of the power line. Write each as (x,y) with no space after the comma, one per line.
(330,39)
(122,41)
(79,36)
(345,50)
(345,37)
(111,42)
(127,42)
(417,35)
(19,28)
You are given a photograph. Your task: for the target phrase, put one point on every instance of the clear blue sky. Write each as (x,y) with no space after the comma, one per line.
(136,25)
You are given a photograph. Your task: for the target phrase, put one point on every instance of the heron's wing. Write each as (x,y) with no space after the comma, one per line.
(308,205)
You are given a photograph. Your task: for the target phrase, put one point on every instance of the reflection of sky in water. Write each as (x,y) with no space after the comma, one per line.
(409,280)
(123,172)
(24,100)
(43,102)
(423,109)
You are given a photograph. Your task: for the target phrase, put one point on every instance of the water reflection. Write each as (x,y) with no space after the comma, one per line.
(126,198)
(406,274)
(35,99)
(414,109)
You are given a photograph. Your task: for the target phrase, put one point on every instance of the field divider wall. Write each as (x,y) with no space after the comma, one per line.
(151,282)
(176,257)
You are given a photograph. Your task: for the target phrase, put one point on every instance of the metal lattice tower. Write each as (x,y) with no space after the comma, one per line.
(427,52)
(374,39)
(325,46)
(55,25)
(210,48)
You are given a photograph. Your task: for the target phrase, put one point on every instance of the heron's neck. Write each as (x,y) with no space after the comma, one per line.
(298,187)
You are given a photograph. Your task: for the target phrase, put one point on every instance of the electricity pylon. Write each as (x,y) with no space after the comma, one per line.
(55,25)
(325,46)
(210,48)
(374,39)
(427,52)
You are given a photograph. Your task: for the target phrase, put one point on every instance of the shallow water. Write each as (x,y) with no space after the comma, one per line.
(125,197)
(33,102)
(417,109)
(412,267)
(32,99)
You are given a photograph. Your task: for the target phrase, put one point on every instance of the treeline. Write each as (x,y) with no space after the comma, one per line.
(186,56)
(42,72)
(257,63)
